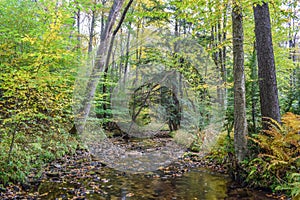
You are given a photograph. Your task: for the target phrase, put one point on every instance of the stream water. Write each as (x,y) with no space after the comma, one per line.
(109,184)
(81,177)
(196,184)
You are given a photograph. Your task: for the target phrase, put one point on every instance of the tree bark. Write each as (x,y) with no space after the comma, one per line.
(240,122)
(223,53)
(99,65)
(254,88)
(91,35)
(127,55)
(266,65)
(104,87)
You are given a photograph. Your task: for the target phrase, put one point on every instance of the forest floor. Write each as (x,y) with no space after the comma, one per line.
(72,171)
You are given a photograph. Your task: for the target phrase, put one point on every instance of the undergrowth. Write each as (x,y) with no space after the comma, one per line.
(31,151)
(220,151)
(277,166)
(274,157)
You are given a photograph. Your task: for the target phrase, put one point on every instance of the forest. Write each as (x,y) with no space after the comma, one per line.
(138,85)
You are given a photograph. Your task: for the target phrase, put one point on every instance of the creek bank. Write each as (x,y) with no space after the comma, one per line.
(82,176)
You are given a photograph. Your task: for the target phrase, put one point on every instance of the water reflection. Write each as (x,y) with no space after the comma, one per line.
(196,184)
(201,184)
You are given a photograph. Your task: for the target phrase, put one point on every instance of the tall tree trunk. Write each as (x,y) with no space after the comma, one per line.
(240,122)
(220,64)
(254,87)
(291,45)
(218,36)
(91,35)
(266,65)
(127,54)
(102,19)
(104,88)
(99,65)
(223,65)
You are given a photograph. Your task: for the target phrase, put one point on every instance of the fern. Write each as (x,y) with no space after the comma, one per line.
(281,142)
(292,185)
(280,153)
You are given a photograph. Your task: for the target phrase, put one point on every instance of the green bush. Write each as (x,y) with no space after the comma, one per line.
(31,151)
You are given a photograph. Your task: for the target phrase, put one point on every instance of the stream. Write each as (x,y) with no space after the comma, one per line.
(196,184)
(83,176)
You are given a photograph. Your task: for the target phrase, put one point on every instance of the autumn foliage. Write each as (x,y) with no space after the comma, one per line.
(278,162)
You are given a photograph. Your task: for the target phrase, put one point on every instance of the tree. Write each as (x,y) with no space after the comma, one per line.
(218,38)
(104,87)
(37,67)
(292,99)
(240,122)
(99,65)
(266,64)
